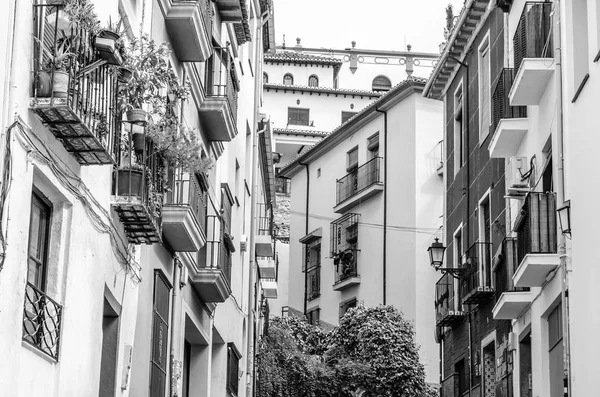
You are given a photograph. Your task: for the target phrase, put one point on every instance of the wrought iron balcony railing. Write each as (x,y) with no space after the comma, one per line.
(74,89)
(533,37)
(501,108)
(187,190)
(506,267)
(447,301)
(476,283)
(265,220)
(41,321)
(346,266)
(220,78)
(536,225)
(344,234)
(358,180)
(215,255)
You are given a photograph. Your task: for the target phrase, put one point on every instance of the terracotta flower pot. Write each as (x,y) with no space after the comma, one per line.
(130,183)
(136,116)
(138,140)
(60,86)
(43,84)
(125,75)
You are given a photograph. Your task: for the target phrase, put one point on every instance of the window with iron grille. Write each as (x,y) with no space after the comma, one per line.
(313,316)
(344,234)
(160,334)
(233,362)
(298,116)
(283,185)
(347,116)
(313,81)
(347,305)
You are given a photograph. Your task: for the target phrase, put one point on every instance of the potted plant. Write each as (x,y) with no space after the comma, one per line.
(129,180)
(54,78)
(109,44)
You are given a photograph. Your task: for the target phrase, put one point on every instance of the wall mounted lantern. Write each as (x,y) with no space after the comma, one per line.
(564,217)
(436,253)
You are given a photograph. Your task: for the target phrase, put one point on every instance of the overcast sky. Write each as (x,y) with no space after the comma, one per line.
(374,24)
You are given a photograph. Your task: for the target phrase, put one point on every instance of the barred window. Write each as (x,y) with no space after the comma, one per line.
(313,81)
(288,79)
(298,116)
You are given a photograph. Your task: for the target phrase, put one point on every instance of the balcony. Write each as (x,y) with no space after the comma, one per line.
(41,321)
(218,112)
(536,240)
(269,288)
(534,58)
(75,95)
(137,190)
(184,214)
(509,123)
(477,282)
(447,303)
(267,268)
(263,241)
(230,10)
(358,186)
(511,301)
(314,283)
(212,278)
(189,24)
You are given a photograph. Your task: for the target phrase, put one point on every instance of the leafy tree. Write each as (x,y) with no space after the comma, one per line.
(372,353)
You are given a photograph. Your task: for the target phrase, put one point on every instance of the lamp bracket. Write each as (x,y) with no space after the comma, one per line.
(453,271)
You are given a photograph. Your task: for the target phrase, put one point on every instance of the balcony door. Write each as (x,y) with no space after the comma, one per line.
(485,236)
(39,234)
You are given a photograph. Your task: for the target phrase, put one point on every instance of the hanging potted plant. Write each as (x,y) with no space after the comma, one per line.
(130,180)
(109,44)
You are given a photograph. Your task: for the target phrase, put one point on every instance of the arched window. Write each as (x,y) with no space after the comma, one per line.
(313,81)
(381,83)
(288,79)
(265,78)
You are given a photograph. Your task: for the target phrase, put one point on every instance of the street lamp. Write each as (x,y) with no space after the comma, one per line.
(436,253)
(564,217)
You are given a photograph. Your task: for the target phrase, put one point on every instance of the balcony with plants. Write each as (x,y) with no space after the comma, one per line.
(358,185)
(263,241)
(219,109)
(536,240)
(476,282)
(511,301)
(509,123)
(189,24)
(153,142)
(77,73)
(533,52)
(447,302)
(211,277)
(344,251)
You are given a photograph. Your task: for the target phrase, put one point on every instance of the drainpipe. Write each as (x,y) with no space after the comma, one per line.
(305,233)
(558,165)
(175,328)
(385,147)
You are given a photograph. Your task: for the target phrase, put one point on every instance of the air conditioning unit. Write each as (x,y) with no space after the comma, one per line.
(243,243)
(517,167)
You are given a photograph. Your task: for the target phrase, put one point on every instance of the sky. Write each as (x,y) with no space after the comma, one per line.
(373,24)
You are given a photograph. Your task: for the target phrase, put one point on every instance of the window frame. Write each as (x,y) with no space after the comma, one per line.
(381,87)
(310,314)
(484,50)
(459,123)
(159,275)
(457,238)
(350,166)
(486,200)
(313,77)
(290,76)
(42,263)
(345,306)
(265,78)
(347,113)
(289,119)
(233,358)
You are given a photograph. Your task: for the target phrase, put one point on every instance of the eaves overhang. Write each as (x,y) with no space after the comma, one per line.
(473,14)
(370,112)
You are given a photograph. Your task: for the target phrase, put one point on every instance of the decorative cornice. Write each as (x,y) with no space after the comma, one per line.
(321,90)
(301,59)
(287,131)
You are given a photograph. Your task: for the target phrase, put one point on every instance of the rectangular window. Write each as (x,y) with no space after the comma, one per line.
(458,255)
(555,333)
(484,90)
(314,316)
(463,380)
(233,362)
(187,357)
(373,146)
(313,266)
(347,116)
(345,306)
(485,236)
(352,159)
(298,116)
(160,335)
(39,234)
(459,148)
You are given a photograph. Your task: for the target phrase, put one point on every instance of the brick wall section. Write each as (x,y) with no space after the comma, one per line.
(484,174)
(281,215)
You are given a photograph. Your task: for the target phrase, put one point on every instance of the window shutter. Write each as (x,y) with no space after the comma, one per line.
(160,334)
(485,92)
(373,142)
